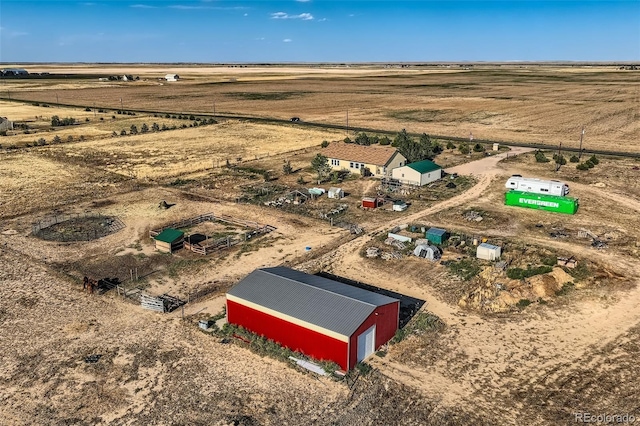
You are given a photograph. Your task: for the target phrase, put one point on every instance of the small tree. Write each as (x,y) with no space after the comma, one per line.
(41,141)
(114,134)
(191,117)
(324,144)
(69,138)
(133,130)
(123,132)
(594,159)
(540,157)
(560,160)
(347,140)
(451,145)
(320,164)
(164,127)
(582,166)
(363,139)
(464,148)
(81,137)
(155,127)
(144,128)
(55,121)
(590,164)
(385,140)
(574,159)
(478,148)
(57,139)
(286,168)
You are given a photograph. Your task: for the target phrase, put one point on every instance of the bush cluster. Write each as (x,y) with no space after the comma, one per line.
(520,274)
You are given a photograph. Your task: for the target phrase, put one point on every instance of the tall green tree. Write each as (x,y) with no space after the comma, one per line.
(412,150)
(320,164)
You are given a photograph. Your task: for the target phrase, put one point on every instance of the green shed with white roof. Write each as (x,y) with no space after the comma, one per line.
(419,173)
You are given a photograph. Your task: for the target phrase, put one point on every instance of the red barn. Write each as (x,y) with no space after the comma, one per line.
(322,318)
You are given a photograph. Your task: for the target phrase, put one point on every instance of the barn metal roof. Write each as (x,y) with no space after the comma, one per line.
(325,303)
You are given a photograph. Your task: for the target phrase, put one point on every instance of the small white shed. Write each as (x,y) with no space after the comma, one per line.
(488,252)
(427,251)
(172,77)
(335,193)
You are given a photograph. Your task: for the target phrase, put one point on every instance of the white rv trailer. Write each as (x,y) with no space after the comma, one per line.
(537,186)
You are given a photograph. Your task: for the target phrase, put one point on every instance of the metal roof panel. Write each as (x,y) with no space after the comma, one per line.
(328,304)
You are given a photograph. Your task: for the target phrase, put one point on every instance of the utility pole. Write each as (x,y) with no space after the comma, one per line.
(57,99)
(121,107)
(214,108)
(558,163)
(580,150)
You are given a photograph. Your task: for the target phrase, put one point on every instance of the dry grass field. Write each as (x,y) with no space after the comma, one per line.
(538,363)
(510,103)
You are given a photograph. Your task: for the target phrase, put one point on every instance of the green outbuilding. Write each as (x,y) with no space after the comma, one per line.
(437,235)
(418,174)
(169,240)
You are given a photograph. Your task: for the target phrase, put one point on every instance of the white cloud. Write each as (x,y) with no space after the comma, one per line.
(322,20)
(287,40)
(283,15)
(142,6)
(87,4)
(12,33)
(246,14)
(303,1)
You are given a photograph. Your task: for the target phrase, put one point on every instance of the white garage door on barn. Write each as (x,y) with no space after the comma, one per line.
(366,343)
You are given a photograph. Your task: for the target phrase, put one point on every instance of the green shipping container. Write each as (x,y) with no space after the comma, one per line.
(552,203)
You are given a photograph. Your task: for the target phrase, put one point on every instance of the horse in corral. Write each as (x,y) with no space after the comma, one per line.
(89,285)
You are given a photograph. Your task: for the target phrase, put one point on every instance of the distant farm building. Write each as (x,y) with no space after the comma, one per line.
(5,124)
(322,318)
(436,235)
(172,77)
(169,240)
(418,174)
(488,252)
(14,72)
(378,160)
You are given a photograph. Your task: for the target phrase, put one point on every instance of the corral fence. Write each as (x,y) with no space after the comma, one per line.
(184,223)
(114,226)
(208,246)
(162,303)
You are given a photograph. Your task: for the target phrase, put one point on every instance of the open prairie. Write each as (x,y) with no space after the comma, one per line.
(522,103)
(503,350)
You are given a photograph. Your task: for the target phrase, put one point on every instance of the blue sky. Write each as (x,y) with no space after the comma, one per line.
(318,31)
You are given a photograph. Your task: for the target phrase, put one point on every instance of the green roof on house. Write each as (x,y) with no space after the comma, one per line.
(169,235)
(424,166)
